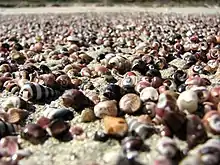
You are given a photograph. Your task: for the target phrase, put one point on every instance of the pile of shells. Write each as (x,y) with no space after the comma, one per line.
(112,68)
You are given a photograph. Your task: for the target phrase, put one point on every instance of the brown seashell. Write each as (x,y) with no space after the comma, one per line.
(47,79)
(211,120)
(217,39)
(58,128)
(15,115)
(215,95)
(115,126)
(64,81)
(130,103)
(5,68)
(3,80)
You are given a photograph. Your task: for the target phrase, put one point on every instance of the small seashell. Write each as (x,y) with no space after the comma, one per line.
(167,147)
(34,133)
(141,85)
(188,100)
(57,128)
(149,94)
(15,102)
(149,109)
(10,143)
(15,115)
(131,145)
(140,129)
(211,121)
(108,107)
(76,130)
(87,115)
(130,103)
(64,81)
(113,92)
(146,119)
(196,133)
(43,122)
(191,159)
(100,136)
(115,126)
(215,94)
(58,113)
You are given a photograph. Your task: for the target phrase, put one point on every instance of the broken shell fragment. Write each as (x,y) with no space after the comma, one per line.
(130,103)
(115,126)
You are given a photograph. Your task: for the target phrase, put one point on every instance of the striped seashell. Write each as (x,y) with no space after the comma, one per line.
(34,91)
(141,129)
(58,113)
(7,129)
(12,88)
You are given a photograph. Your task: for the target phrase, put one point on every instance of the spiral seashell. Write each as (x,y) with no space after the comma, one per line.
(179,77)
(5,68)
(12,87)
(211,120)
(149,94)
(192,159)
(170,84)
(203,46)
(86,72)
(34,91)
(213,54)
(167,147)
(212,66)
(140,129)
(119,63)
(58,113)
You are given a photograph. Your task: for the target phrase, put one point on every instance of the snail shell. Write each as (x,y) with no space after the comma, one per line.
(188,100)
(15,115)
(211,120)
(64,81)
(34,91)
(58,113)
(15,102)
(130,103)
(149,94)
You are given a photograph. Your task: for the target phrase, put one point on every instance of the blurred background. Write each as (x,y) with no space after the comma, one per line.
(156,3)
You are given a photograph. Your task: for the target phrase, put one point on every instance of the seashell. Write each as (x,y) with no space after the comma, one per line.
(113,92)
(153,73)
(119,63)
(64,81)
(179,77)
(5,68)
(15,115)
(192,159)
(196,69)
(12,87)
(202,93)
(101,136)
(10,143)
(47,80)
(149,109)
(131,145)
(8,129)
(128,83)
(76,99)
(101,70)
(139,65)
(58,128)
(15,102)
(34,133)
(58,113)
(167,147)
(141,85)
(213,54)
(188,100)
(170,84)
(142,130)
(34,91)
(83,58)
(43,122)
(76,131)
(197,81)
(196,133)
(3,80)
(20,154)
(149,94)
(161,63)
(104,108)
(203,46)
(115,126)
(211,121)
(130,103)
(211,67)
(146,119)
(44,69)
(215,94)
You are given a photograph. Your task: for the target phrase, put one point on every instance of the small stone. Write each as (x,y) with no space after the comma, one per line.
(115,126)
(100,136)
(130,103)
(87,115)
(106,108)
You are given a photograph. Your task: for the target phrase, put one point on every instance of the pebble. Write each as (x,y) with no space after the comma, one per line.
(87,115)
(115,126)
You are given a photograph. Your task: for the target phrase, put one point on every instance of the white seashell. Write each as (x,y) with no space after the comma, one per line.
(188,100)
(149,94)
(108,107)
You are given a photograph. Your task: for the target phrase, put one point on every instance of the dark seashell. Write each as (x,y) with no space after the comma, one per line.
(113,92)
(34,133)
(64,81)
(128,83)
(131,145)
(47,80)
(153,73)
(3,80)
(156,82)
(196,133)
(126,161)
(167,147)
(58,113)
(13,88)
(170,84)
(100,136)
(149,109)
(139,66)
(34,91)
(44,69)
(161,63)
(197,69)
(140,129)
(179,77)
(181,88)
(76,99)
(58,128)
